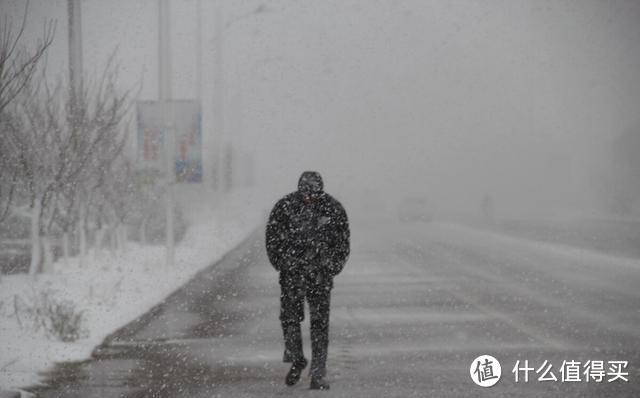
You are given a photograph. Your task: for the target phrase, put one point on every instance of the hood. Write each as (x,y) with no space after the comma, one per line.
(310,182)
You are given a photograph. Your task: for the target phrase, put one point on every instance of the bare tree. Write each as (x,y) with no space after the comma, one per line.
(17,67)
(8,172)
(17,64)
(64,141)
(97,177)
(117,193)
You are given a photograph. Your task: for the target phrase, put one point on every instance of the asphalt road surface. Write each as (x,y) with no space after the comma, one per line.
(415,305)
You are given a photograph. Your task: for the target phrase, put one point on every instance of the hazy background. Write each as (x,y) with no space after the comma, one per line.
(445,99)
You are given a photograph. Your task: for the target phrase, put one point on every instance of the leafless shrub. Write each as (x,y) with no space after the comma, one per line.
(43,311)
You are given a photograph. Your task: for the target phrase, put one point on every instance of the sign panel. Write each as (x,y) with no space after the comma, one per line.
(176,125)
(151,135)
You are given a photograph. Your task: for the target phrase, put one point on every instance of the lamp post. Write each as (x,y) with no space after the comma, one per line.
(222,173)
(164,95)
(75,47)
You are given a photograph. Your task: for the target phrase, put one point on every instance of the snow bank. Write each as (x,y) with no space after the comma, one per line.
(112,290)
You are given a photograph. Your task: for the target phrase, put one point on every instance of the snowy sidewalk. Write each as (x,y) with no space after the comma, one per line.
(111,290)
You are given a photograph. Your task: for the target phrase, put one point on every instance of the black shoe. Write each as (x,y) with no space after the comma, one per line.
(295,372)
(318,383)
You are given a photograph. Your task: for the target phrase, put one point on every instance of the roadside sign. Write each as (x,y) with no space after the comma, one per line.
(151,135)
(177,122)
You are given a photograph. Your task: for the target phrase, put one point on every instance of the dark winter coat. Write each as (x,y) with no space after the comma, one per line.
(307,229)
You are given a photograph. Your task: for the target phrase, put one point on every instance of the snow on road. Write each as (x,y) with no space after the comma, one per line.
(414,306)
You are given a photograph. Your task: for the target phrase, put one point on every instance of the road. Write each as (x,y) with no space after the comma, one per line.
(415,305)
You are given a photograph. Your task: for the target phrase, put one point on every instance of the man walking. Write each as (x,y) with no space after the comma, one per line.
(307,241)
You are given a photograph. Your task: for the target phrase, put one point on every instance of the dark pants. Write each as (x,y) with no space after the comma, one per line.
(295,286)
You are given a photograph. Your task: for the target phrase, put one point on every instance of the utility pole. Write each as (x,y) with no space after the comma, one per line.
(164,94)
(199,51)
(76,87)
(218,100)
(75,46)
(223,147)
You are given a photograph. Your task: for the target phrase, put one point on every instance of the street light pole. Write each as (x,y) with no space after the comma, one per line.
(164,94)
(75,47)
(75,85)
(199,50)
(218,99)
(223,149)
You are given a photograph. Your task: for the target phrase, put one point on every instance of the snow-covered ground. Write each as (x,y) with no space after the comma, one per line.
(111,290)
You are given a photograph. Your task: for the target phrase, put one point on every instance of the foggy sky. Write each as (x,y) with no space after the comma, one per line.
(448,99)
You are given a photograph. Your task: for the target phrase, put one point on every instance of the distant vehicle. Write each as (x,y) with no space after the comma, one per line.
(415,208)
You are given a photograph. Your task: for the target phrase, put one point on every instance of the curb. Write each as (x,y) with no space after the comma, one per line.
(15,394)
(143,320)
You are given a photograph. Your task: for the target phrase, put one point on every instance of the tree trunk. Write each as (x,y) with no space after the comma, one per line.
(76,238)
(82,235)
(36,258)
(143,231)
(65,247)
(117,232)
(122,234)
(48,254)
(113,242)
(99,241)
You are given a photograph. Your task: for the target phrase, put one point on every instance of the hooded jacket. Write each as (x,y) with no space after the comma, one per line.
(308,227)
